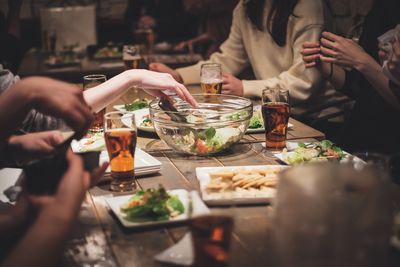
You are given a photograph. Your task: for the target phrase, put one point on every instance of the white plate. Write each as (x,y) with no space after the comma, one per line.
(228,198)
(95,142)
(115,203)
(257,109)
(140,116)
(144,163)
(120,108)
(291,146)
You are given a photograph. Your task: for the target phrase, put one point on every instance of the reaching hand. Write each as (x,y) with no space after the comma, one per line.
(61,100)
(311,53)
(231,85)
(155,83)
(341,51)
(34,145)
(159,67)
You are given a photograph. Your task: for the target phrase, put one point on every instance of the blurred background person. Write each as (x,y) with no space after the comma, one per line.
(355,70)
(168,19)
(216,16)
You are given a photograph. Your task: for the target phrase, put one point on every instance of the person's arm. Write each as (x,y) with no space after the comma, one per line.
(153,82)
(345,52)
(43,243)
(55,98)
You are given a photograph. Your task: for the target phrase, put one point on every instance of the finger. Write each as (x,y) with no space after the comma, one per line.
(328,59)
(310,51)
(310,45)
(328,44)
(312,58)
(311,64)
(330,36)
(97,173)
(74,172)
(189,98)
(153,66)
(178,91)
(328,52)
(55,138)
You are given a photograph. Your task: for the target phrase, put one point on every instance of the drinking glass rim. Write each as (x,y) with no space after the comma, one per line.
(275,89)
(93,77)
(217,65)
(110,115)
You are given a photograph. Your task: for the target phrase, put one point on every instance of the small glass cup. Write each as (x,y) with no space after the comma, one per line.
(131,56)
(120,134)
(211,78)
(276,112)
(90,81)
(332,214)
(211,235)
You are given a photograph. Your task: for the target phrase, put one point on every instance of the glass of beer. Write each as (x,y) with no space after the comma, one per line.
(131,56)
(276,111)
(211,235)
(90,81)
(211,78)
(120,134)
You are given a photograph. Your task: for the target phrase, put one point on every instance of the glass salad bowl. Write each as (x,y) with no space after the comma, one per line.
(217,123)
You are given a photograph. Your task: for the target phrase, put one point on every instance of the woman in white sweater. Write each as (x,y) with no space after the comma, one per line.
(267,35)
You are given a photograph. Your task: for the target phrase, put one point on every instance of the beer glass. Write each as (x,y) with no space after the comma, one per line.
(332,214)
(275,111)
(211,235)
(131,56)
(211,78)
(120,135)
(90,81)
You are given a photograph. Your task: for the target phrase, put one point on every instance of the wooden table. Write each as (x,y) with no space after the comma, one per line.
(98,237)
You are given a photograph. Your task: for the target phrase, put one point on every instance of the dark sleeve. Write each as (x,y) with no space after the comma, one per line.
(11,52)
(348,86)
(395,89)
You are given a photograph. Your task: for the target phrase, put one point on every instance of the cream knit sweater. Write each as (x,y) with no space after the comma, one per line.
(273,65)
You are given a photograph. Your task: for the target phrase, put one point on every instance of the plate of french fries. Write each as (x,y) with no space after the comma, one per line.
(238,185)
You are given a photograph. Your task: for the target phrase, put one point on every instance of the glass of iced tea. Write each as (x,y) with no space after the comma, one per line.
(211,235)
(131,56)
(276,111)
(120,134)
(90,81)
(211,78)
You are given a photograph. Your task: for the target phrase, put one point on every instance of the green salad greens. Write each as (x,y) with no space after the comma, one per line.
(136,105)
(316,151)
(152,205)
(256,121)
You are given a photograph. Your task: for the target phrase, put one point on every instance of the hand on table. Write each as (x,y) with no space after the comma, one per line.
(231,85)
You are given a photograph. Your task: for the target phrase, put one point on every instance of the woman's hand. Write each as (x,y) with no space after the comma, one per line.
(311,53)
(342,51)
(159,67)
(231,85)
(158,84)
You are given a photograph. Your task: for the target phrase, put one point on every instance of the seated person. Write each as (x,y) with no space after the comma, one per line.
(371,125)
(272,48)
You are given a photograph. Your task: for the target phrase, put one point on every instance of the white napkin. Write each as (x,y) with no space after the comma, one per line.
(182,252)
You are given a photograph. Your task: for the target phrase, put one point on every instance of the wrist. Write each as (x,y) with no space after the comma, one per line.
(363,63)
(134,77)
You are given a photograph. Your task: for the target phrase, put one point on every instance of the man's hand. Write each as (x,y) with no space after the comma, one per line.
(159,67)
(231,85)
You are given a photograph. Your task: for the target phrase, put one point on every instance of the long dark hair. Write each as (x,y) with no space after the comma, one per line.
(277,20)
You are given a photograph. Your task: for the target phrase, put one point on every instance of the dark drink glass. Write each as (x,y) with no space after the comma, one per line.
(90,81)
(120,135)
(276,111)
(131,56)
(211,236)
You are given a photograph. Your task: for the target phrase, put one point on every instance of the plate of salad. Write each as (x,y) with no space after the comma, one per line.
(301,152)
(133,106)
(256,124)
(151,207)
